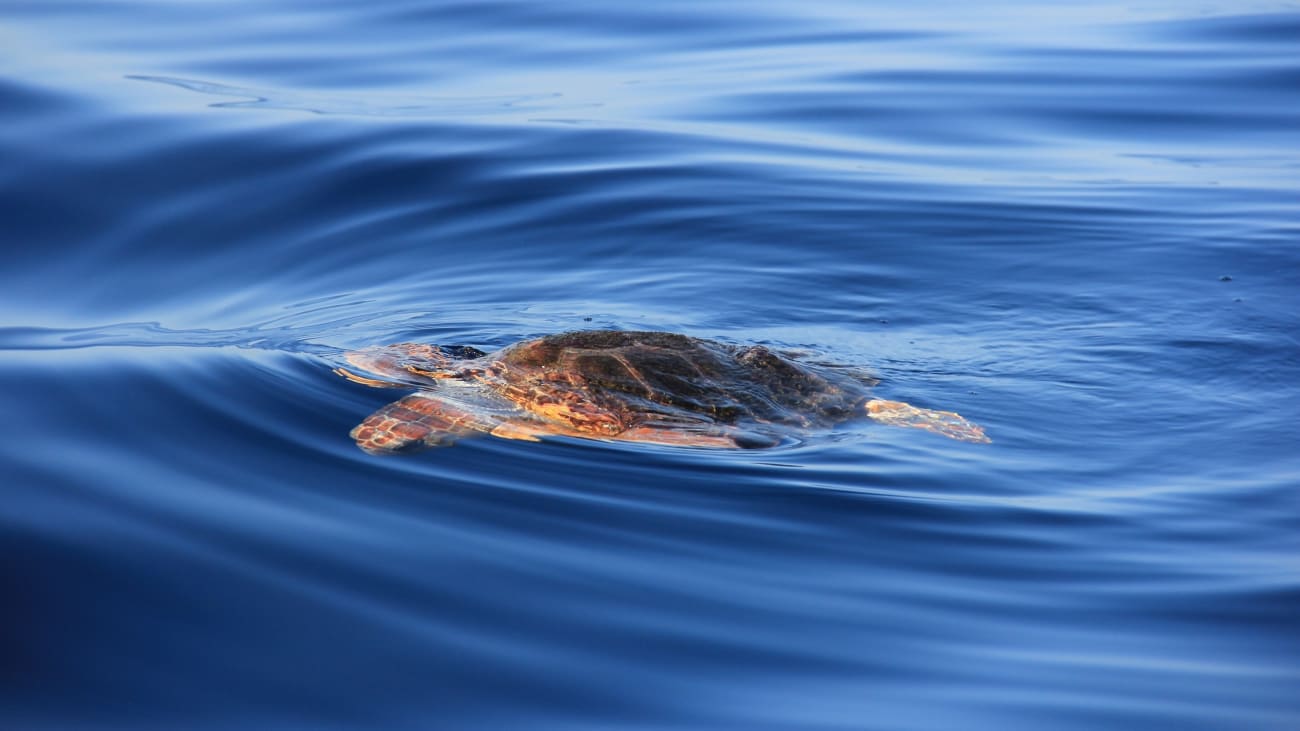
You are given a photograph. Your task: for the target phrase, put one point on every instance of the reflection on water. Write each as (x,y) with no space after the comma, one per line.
(1074,221)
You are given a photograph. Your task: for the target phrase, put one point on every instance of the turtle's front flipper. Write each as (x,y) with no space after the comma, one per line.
(415,423)
(947,423)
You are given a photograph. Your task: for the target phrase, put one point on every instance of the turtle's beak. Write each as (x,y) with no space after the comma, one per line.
(363,380)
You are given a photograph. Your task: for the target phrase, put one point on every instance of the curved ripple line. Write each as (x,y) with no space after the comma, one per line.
(153,335)
(392,106)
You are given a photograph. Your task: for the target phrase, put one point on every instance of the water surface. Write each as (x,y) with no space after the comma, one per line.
(1075,224)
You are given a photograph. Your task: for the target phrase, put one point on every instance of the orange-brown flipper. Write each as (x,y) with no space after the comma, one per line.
(947,423)
(414,423)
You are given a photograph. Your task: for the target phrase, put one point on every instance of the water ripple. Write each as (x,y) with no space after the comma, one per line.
(452,107)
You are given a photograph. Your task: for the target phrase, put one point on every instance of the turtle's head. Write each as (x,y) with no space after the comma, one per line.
(407,364)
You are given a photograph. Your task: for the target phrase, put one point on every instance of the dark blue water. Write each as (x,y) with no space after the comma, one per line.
(1075,223)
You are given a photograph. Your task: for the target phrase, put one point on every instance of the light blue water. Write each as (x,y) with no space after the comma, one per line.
(1074,223)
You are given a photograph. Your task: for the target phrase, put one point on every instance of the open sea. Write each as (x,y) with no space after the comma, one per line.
(1075,223)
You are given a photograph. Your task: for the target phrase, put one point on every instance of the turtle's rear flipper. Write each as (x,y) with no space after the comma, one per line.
(414,423)
(947,423)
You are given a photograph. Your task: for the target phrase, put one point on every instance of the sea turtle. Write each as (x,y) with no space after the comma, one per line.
(653,387)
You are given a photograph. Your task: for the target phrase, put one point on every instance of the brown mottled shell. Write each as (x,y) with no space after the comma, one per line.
(604,377)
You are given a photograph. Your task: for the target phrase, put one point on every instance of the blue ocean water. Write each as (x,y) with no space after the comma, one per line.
(1076,223)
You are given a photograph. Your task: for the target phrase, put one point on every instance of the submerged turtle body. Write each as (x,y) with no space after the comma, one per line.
(655,387)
